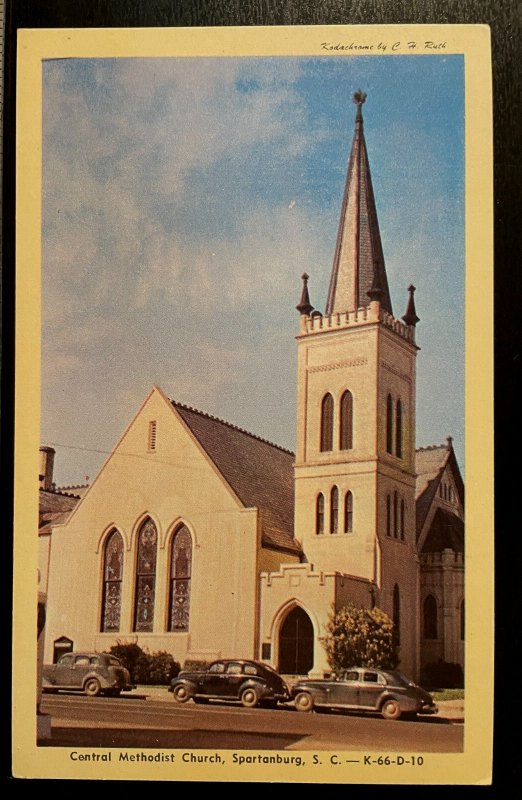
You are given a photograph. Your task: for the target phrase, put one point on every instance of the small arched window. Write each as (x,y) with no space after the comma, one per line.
(334,510)
(389,424)
(397,613)
(319,514)
(180,577)
(430,622)
(346,422)
(395,514)
(403,516)
(462,621)
(145,577)
(348,512)
(112,578)
(388,515)
(327,408)
(398,430)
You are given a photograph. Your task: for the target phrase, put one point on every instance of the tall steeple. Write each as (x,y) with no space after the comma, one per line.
(358,265)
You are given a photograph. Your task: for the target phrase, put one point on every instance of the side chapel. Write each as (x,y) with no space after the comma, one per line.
(204,540)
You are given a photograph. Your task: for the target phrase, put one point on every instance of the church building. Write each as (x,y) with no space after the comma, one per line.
(206,541)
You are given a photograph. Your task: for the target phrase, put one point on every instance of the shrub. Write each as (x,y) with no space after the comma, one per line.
(145,668)
(360,637)
(442,675)
(195,665)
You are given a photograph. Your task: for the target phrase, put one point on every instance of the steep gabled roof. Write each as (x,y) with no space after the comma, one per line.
(430,463)
(54,509)
(259,472)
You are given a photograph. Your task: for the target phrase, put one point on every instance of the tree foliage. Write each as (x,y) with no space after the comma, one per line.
(360,637)
(146,668)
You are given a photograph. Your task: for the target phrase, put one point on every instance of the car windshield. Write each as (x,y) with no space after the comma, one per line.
(401,680)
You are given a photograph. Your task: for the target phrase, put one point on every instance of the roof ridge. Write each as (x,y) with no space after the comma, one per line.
(60,493)
(177,404)
(72,486)
(432,447)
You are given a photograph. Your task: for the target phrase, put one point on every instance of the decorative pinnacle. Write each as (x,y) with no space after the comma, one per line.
(304,306)
(359,98)
(375,292)
(410,317)
(449,440)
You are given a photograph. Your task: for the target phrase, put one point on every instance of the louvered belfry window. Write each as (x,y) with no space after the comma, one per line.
(180,577)
(327,408)
(346,423)
(112,578)
(145,577)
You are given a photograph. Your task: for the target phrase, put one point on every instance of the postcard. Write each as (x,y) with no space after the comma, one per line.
(254,377)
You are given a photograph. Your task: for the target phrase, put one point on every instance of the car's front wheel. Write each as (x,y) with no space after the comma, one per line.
(92,688)
(250,697)
(391,709)
(181,694)
(304,702)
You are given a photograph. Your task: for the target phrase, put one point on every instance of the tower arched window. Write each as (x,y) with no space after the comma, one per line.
(395,514)
(346,422)
(389,424)
(180,577)
(319,514)
(403,520)
(397,613)
(348,512)
(145,577)
(388,515)
(327,409)
(334,510)
(429,614)
(398,429)
(112,579)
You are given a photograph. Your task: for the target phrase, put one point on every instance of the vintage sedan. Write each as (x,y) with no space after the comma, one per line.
(363,689)
(92,673)
(248,682)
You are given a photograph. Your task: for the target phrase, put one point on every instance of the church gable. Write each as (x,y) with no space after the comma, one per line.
(439,500)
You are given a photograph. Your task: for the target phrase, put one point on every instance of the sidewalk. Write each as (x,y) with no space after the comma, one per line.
(452,710)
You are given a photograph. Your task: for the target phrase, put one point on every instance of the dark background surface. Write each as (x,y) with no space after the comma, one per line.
(505,19)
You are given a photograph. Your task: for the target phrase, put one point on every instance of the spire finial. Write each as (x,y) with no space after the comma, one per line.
(359,98)
(410,317)
(449,440)
(304,306)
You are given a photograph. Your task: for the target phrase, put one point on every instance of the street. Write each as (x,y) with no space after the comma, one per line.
(137,721)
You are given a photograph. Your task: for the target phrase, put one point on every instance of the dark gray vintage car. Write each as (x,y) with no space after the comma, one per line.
(92,673)
(249,682)
(363,689)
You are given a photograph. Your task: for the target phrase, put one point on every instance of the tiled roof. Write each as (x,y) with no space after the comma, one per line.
(259,472)
(54,509)
(358,251)
(429,465)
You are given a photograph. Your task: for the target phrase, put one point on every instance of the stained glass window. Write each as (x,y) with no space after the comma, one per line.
(180,573)
(346,425)
(145,577)
(327,409)
(430,618)
(112,577)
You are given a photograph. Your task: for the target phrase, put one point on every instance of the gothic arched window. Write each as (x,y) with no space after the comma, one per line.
(346,422)
(389,424)
(319,514)
(180,575)
(334,510)
(429,614)
(395,514)
(348,512)
(388,515)
(397,613)
(112,578)
(403,516)
(327,409)
(145,577)
(398,430)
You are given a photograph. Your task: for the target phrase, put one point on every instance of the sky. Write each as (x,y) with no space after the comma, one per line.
(182,200)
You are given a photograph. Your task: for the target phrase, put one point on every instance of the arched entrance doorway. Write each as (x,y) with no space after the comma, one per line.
(296,643)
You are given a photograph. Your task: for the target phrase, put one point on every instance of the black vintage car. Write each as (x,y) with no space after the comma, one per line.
(92,673)
(365,689)
(249,682)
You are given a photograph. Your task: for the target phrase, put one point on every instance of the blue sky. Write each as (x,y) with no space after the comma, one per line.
(182,200)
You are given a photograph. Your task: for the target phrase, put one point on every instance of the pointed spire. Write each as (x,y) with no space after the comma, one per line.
(410,317)
(358,266)
(304,306)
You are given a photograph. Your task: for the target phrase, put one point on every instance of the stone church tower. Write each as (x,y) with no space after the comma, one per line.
(355,459)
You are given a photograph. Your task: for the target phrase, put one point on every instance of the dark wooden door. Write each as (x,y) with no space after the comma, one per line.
(296,644)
